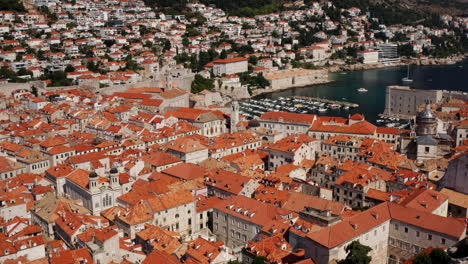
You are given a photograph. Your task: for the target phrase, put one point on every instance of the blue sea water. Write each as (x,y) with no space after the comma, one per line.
(344,86)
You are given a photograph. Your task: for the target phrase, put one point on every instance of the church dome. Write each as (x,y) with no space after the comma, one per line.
(113,170)
(426,122)
(93,175)
(426,113)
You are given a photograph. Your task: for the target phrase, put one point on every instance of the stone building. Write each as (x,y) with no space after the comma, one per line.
(424,142)
(239,219)
(283,79)
(287,123)
(404,102)
(172,211)
(188,150)
(211,124)
(96,192)
(293,149)
(229,66)
(394,232)
(456,176)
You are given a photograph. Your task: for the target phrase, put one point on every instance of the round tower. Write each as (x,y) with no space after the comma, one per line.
(426,122)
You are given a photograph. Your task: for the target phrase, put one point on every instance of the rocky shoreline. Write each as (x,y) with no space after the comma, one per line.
(269,91)
(438,61)
(412,61)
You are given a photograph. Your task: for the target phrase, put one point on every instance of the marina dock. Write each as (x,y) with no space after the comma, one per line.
(327,101)
(296,104)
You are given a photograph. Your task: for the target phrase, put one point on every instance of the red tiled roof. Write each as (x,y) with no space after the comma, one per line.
(231,60)
(289,117)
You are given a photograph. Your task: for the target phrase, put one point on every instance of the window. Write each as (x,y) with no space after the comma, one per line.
(201,216)
(406,230)
(190,221)
(396,226)
(427,149)
(417,233)
(429,237)
(442,241)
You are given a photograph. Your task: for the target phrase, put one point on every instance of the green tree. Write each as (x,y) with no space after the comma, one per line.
(406,50)
(200,83)
(34,91)
(92,66)
(191,32)
(259,260)
(223,54)
(23,71)
(167,45)
(7,73)
(185,41)
(203,59)
(12,5)
(423,258)
(439,256)
(70,68)
(357,254)
(253,60)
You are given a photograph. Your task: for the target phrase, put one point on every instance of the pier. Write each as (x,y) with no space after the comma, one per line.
(327,101)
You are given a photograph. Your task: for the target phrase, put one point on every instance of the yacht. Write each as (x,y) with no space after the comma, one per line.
(407,79)
(362,90)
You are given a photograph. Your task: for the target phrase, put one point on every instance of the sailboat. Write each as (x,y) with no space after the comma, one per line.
(407,79)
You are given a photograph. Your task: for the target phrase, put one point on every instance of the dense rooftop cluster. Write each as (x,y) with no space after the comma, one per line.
(107,157)
(88,177)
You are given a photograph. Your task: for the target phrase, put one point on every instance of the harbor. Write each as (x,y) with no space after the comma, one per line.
(303,105)
(346,87)
(327,101)
(307,105)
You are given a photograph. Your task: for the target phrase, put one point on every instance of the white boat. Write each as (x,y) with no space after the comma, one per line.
(362,90)
(407,79)
(346,107)
(322,109)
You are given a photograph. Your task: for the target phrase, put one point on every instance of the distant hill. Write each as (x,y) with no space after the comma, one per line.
(12,5)
(453,7)
(247,7)
(390,11)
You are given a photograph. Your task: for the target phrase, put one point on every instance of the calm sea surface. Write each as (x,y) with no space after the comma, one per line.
(372,103)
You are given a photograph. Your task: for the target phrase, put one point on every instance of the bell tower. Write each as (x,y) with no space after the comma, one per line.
(93,182)
(114,178)
(234,116)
